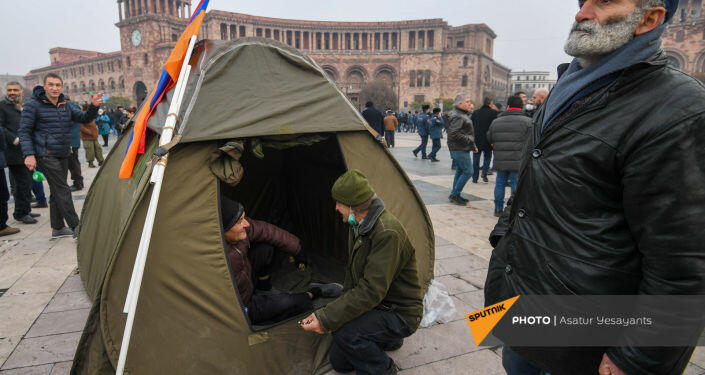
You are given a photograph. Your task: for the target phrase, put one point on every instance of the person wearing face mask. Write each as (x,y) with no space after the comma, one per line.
(382,300)
(536,101)
(610,197)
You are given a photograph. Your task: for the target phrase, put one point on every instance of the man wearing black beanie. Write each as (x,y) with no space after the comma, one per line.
(610,197)
(251,246)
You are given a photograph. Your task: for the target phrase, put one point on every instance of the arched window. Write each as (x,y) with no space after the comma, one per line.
(91,85)
(101,85)
(355,81)
(112,84)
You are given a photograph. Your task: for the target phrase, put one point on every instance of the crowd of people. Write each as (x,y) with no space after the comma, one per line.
(40,138)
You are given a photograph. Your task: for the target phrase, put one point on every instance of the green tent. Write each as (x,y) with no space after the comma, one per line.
(299,133)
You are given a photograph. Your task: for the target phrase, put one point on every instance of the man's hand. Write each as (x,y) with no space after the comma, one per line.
(311,324)
(607,367)
(30,162)
(16,141)
(97,99)
(476,150)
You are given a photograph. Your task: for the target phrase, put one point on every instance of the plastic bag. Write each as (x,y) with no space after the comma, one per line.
(437,305)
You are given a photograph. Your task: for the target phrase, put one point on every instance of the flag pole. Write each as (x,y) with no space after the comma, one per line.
(157,178)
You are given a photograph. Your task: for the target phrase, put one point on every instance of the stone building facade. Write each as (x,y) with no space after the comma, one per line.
(684,39)
(529,81)
(421,60)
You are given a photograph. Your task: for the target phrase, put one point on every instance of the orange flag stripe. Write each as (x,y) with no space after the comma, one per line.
(173,68)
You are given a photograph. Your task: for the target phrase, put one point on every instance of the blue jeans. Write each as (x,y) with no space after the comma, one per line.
(485,163)
(436,145)
(514,364)
(463,170)
(422,146)
(502,177)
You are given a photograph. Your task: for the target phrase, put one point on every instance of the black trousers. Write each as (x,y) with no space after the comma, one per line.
(75,168)
(389,137)
(273,307)
(4,197)
(60,201)
(105,139)
(22,189)
(359,344)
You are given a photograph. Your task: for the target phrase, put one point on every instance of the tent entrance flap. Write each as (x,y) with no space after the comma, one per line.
(286,182)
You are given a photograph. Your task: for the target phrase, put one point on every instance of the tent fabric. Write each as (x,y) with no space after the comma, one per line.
(189,317)
(225,163)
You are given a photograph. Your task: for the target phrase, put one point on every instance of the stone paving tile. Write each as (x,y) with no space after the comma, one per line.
(15,264)
(31,370)
(59,322)
(435,343)
(440,241)
(7,345)
(698,357)
(455,285)
(40,280)
(474,300)
(475,277)
(459,264)
(62,368)
(72,284)
(484,362)
(449,251)
(69,301)
(62,253)
(19,312)
(693,370)
(43,350)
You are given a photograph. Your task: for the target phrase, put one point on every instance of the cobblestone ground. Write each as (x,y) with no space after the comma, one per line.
(43,308)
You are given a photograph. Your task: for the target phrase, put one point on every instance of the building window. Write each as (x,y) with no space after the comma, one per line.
(385,44)
(421,40)
(680,36)
(307,41)
(460,44)
(326,41)
(223,31)
(355,81)
(430,39)
(233,32)
(335,41)
(419,98)
(464,81)
(174,38)
(465,62)
(258,32)
(412,78)
(268,33)
(419,78)
(427,78)
(488,45)
(319,42)
(683,15)
(276,35)
(146,59)
(242,31)
(412,39)
(297,39)
(289,38)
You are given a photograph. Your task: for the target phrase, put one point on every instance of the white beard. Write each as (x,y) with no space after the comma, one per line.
(589,41)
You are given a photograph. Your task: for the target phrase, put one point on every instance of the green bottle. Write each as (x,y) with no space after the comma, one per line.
(38,176)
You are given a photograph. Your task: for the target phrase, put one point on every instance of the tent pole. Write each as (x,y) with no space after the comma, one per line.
(158,177)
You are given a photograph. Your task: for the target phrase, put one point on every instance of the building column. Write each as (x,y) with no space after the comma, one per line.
(189,8)
(119,3)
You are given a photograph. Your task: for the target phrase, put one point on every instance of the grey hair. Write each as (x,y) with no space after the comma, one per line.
(644,5)
(460,98)
(14,83)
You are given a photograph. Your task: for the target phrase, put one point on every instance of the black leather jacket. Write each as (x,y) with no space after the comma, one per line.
(610,200)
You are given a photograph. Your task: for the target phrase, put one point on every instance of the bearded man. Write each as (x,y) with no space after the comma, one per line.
(611,193)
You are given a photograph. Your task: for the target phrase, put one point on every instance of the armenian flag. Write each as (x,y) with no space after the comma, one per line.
(168,79)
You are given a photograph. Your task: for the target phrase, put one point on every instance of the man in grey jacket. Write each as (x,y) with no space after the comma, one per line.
(507,135)
(461,141)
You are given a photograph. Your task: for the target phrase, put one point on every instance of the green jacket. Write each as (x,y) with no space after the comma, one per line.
(381,273)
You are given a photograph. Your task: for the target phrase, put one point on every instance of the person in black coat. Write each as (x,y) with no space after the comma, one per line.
(4,193)
(481,120)
(20,177)
(374,118)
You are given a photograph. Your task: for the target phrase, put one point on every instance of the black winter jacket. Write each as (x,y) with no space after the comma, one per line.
(481,120)
(610,200)
(508,135)
(375,119)
(45,129)
(461,136)
(10,121)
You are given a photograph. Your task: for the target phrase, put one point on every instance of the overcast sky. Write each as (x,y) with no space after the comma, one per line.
(530,34)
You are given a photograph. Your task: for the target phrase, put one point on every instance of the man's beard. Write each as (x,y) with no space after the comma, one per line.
(589,40)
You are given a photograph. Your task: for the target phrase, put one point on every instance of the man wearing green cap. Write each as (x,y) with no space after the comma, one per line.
(382,300)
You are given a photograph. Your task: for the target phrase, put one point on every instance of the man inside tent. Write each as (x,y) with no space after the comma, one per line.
(382,301)
(251,249)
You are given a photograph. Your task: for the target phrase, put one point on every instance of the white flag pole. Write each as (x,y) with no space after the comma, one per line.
(157,178)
